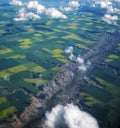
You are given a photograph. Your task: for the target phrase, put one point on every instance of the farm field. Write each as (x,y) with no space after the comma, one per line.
(34,52)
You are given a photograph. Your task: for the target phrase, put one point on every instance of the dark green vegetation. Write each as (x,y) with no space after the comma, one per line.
(100,94)
(18,98)
(35,50)
(13,103)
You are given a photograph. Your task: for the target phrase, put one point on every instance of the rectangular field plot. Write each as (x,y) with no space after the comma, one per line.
(4,73)
(89,100)
(17,69)
(111,58)
(115,90)
(107,75)
(3,100)
(33,67)
(12,70)
(36,81)
(4,114)
(7,63)
(37,69)
(17,56)
(57,54)
(5,51)
(21,100)
(33,52)
(76,37)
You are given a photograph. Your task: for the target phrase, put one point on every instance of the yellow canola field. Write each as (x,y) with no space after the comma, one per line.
(17,69)
(3,100)
(6,112)
(115,90)
(17,57)
(4,73)
(90,100)
(76,37)
(36,80)
(38,69)
(4,51)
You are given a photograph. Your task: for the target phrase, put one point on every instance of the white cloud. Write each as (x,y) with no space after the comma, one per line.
(89,63)
(31,15)
(24,15)
(69,116)
(109,5)
(67,9)
(113,10)
(82,68)
(35,5)
(69,49)
(105,4)
(81,64)
(32,4)
(80,60)
(21,15)
(74,4)
(72,57)
(110,19)
(86,78)
(102,3)
(16,2)
(7,78)
(93,5)
(54,13)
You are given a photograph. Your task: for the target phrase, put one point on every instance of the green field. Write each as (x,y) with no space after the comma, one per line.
(32,53)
